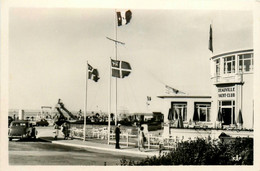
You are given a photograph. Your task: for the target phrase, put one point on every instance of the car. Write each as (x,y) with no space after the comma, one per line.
(21,129)
(42,122)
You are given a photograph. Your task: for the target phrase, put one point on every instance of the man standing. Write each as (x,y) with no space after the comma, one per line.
(117,132)
(56,127)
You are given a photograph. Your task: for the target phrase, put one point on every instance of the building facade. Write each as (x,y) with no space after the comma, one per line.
(232,88)
(230,105)
(184,107)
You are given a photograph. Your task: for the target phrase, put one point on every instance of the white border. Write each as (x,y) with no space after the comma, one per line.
(137,4)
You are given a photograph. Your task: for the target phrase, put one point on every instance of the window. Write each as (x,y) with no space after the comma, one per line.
(229,64)
(245,62)
(180,108)
(217,64)
(203,110)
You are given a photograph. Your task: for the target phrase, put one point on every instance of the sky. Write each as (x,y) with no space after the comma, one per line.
(49,48)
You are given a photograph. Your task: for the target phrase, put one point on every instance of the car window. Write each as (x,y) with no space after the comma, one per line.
(16,124)
(20,124)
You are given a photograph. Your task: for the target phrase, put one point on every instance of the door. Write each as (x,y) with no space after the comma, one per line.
(226,113)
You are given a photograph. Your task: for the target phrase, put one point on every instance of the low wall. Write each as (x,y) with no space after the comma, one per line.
(186,134)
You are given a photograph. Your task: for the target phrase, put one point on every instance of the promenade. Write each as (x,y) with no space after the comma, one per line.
(46,134)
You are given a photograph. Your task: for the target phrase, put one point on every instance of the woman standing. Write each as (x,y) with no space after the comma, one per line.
(142,138)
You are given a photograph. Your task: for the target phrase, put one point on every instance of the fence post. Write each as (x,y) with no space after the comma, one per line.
(138,141)
(148,141)
(127,139)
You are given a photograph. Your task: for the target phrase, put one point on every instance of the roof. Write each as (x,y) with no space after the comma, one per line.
(234,52)
(184,96)
(21,121)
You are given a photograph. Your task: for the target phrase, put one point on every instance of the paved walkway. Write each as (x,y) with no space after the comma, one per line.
(47,134)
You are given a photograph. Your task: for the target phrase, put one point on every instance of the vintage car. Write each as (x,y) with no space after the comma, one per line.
(21,129)
(42,122)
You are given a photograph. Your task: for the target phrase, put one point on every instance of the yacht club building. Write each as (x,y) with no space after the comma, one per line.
(230,105)
(232,87)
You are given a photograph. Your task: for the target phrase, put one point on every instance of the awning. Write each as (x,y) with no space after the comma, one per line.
(170,114)
(240,118)
(220,117)
(195,116)
(180,122)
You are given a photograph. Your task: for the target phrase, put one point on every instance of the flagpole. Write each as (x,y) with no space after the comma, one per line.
(85,107)
(109,102)
(116,59)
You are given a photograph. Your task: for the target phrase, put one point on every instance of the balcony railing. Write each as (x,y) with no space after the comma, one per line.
(232,78)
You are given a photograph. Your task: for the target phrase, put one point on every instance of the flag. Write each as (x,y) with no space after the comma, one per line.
(148,100)
(93,73)
(120,69)
(123,17)
(170,90)
(210,39)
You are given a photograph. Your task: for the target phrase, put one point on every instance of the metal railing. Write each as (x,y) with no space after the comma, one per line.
(128,139)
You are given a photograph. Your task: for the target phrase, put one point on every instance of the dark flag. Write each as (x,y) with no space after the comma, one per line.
(171,90)
(93,73)
(148,100)
(210,40)
(120,69)
(123,17)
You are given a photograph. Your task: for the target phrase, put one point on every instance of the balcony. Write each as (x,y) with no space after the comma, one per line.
(231,78)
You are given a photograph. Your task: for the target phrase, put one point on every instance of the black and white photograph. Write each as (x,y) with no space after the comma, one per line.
(129,85)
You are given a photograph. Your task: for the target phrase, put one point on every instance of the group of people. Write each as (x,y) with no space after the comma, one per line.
(64,129)
(141,137)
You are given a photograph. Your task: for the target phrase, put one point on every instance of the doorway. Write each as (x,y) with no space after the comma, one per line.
(226,113)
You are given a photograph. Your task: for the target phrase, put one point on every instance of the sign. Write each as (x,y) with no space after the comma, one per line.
(226,92)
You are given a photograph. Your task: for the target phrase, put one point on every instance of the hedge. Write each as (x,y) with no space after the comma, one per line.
(201,152)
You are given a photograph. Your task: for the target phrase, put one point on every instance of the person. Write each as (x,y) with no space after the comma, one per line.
(142,138)
(34,132)
(56,127)
(65,130)
(117,132)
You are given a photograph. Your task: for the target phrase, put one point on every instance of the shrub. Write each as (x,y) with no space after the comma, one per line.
(200,152)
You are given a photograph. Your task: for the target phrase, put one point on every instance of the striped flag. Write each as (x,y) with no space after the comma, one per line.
(123,17)
(120,69)
(210,39)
